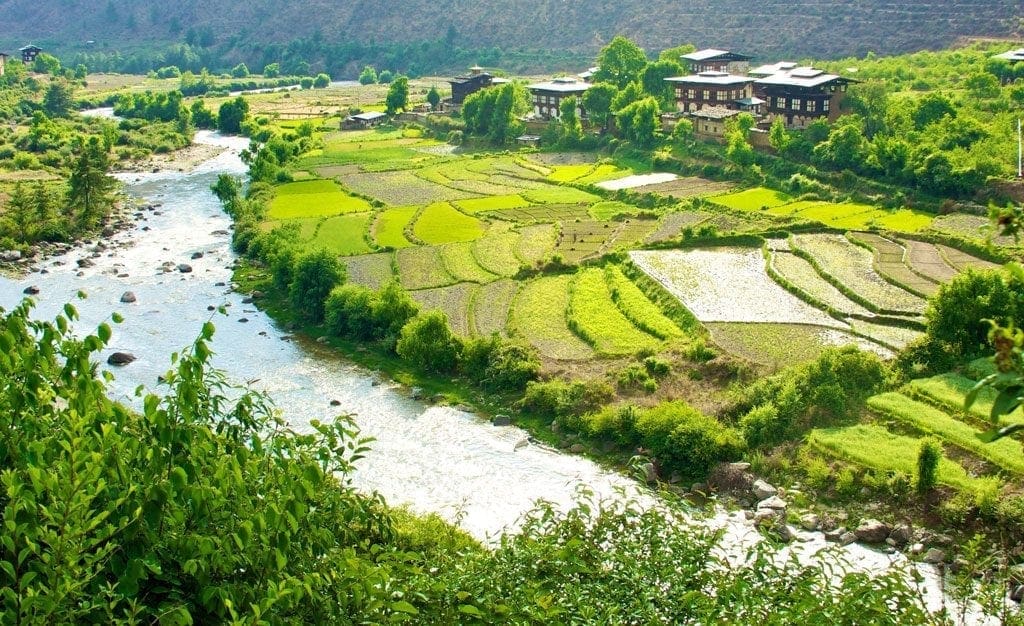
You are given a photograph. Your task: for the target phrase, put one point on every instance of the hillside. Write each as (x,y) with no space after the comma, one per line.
(254,30)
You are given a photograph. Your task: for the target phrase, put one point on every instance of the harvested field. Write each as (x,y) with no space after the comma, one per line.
(538,314)
(631,233)
(497,253)
(781,345)
(611,208)
(962,261)
(491,305)
(461,264)
(595,317)
(925,259)
(564,158)
(442,223)
(803,276)
(369,270)
(971,227)
(889,263)
(422,268)
(535,243)
(583,239)
(453,300)
(673,224)
(548,213)
(637,180)
(896,337)
(689,187)
(401,188)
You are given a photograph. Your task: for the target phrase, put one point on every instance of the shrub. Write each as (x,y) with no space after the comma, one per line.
(428,343)
(315,275)
(636,376)
(348,312)
(558,398)
(928,457)
(685,440)
(762,427)
(498,364)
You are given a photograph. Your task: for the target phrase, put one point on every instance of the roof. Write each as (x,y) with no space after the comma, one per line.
(714,53)
(774,68)
(30,47)
(562,85)
(589,73)
(458,80)
(802,77)
(368,117)
(500,81)
(749,102)
(715,113)
(712,78)
(1011,55)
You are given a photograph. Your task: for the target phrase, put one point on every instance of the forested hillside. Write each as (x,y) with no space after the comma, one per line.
(344,34)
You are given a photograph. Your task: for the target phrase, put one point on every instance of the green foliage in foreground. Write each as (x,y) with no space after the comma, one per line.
(204,508)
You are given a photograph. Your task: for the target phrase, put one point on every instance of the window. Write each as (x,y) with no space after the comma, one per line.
(707,94)
(780,103)
(824,105)
(812,106)
(796,104)
(691,93)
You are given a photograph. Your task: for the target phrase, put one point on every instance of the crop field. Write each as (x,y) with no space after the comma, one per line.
(874,447)
(491,203)
(313,198)
(344,234)
(454,301)
(683,188)
(672,225)
(551,159)
(548,213)
(596,318)
(369,270)
(491,305)
(962,261)
(1003,453)
(552,194)
(637,308)
(536,243)
(460,262)
(307,226)
(608,209)
(896,337)
(804,277)
(727,285)
(970,227)
(538,314)
(442,223)
(889,263)
(947,391)
(389,230)
(851,266)
(422,268)
(779,345)
(601,173)
(583,239)
(924,258)
(569,173)
(496,253)
(401,188)
(631,233)
(756,199)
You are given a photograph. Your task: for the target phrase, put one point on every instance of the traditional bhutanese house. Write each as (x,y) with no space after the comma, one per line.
(774,68)
(715,60)
(709,122)
(802,95)
(29,53)
(1013,56)
(3,63)
(547,97)
(465,86)
(586,76)
(711,88)
(363,120)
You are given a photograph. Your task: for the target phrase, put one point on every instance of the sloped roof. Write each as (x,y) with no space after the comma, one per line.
(773,68)
(715,113)
(711,78)
(368,116)
(714,53)
(563,85)
(802,77)
(1011,55)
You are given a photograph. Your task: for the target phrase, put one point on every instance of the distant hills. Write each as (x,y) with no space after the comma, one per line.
(255,30)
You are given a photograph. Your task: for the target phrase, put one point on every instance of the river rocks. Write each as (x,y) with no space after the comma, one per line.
(10,256)
(784,533)
(809,522)
(834,534)
(83,263)
(935,556)
(873,531)
(256,295)
(197,255)
(416,393)
(501,420)
(731,478)
(1017,595)
(763,490)
(577,448)
(774,503)
(184,268)
(31,290)
(900,536)
(650,472)
(120,358)
(846,538)
(335,403)
(128,297)
(243,320)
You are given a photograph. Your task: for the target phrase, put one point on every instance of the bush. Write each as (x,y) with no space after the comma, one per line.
(314,276)
(499,365)
(558,398)
(928,457)
(428,343)
(762,427)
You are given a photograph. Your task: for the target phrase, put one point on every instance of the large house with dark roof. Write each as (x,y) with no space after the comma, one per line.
(548,96)
(29,53)
(715,60)
(711,88)
(467,85)
(802,95)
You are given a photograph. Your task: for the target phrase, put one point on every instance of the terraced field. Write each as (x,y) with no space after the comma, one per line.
(947,392)
(491,305)
(594,316)
(442,223)
(539,316)
(925,259)
(963,261)
(422,268)
(369,270)
(779,345)
(549,213)
(497,253)
(389,230)
(802,275)
(637,308)
(459,261)
(314,198)
(345,234)
(890,264)
(536,243)
(401,188)
(454,301)
(672,225)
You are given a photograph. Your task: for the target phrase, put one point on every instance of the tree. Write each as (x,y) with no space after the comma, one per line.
(682,133)
(633,92)
(738,148)
(306,82)
(870,100)
(315,274)
(228,190)
(639,122)
(202,117)
(19,215)
(398,96)
(368,76)
(932,108)
(231,115)
(654,83)
(322,80)
(89,186)
(47,64)
(571,127)
(385,77)
(778,136)
(846,147)
(620,62)
(675,54)
(59,99)
(503,126)
(272,70)
(240,71)
(597,101)
(428,343)
(928,457)
(434,98)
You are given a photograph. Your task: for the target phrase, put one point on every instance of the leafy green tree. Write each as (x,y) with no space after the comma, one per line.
(434,98)
(231,115)
(982,85)
(228,190)
(846,147)
(42,207)
(89,186)
(569,119)
(932,108)
(597,101)
(272,70)
(315,274)
(737,144)
(385,77)
(654,83)
(59,99)
(633,92)
(306,82)
(778,136)
(322,80)
(675,54)
(682,132)
(638,122)
(870,100)
(240,71)
(202,117)
(398,96)
(504,127)
(620,62)
(428,343)
(928,457)
(47,64)
(19,216)
(368,76)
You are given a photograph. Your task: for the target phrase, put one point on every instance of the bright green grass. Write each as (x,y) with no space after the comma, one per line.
(497,253)
(1005,453)
(903,220)
(752,199)
(422,268)
(559,195)
(948,391)
(307,226)
(459,261)
(345,234)
(391,227)
(491,305)
(442,223)
(535,243)
(313,198)
(491,203)
(875,447)
(594,316)
(610,208)
(569,173)
(604,172)
(538,314)
(632,302)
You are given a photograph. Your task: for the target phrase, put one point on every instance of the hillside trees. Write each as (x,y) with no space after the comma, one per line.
(89,186)
(398,96)
(597,101)
(231,115)
(620,62)
(494,112)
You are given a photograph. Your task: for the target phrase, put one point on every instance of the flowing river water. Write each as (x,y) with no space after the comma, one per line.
(435,459)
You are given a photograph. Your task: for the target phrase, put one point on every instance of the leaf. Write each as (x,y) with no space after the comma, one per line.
(404,607)
(469,609)
(104,333)
(179,478)
(1006,402)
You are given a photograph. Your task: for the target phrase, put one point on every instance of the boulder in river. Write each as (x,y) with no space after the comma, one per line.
(901,535)
(120,358)
(85,263)
(763,490)
(197,255)
(31,290)
(10,256)
(501,420)
(873,531)
(935,556)
(128,297)
(184,268)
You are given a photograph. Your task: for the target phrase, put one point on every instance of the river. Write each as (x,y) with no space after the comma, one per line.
(435,459)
